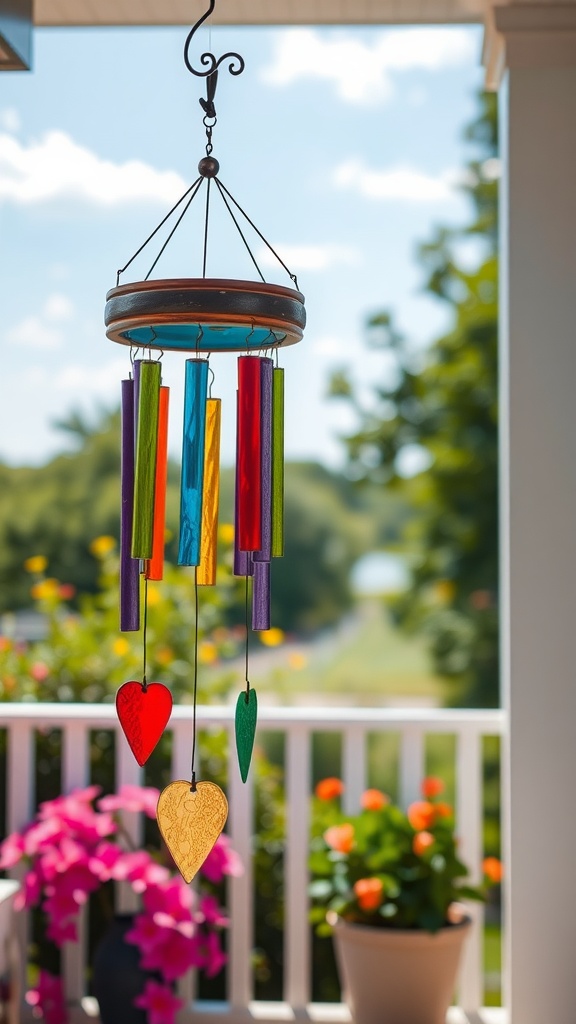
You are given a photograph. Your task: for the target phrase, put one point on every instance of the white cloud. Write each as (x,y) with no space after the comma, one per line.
(395,183)
(10,119)
(33,332)
(328,346)
(310,257)
(92,382)
(58,307)
(57,167)
(40,331)
(362,71)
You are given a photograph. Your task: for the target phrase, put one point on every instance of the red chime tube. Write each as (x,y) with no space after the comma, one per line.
(248,466)
(154,567)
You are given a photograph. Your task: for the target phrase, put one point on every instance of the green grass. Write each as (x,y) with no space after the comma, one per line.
(366,661)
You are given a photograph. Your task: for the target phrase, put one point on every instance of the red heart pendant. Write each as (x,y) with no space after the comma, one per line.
(144,714)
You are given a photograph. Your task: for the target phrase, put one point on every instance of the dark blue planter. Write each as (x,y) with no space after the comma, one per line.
(117,977)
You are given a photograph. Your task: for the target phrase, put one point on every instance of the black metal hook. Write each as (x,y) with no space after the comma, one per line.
(211,64)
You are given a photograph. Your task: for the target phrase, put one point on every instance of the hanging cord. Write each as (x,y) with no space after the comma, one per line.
(247,681)
(198,186)
(144,632)
(207,215)
(157,228)
(238,228)
(258,232)
(195,687)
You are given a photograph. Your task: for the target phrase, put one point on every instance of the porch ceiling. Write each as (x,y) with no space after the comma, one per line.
(258,12)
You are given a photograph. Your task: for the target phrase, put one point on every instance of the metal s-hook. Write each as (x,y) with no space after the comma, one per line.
(211,65)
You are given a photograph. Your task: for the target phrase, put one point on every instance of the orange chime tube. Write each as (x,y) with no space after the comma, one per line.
(248,466)
(206,574)
(154,567)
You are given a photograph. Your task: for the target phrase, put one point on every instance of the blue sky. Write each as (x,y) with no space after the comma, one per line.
(343,145)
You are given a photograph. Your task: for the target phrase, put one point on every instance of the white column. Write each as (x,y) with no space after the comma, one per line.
(538,424)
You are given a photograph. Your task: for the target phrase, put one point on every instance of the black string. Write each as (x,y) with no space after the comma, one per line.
(239,229)
(195,689)
(206,227)
(144,682)
(157,228)
(259,233)
(176,226)
(247,642)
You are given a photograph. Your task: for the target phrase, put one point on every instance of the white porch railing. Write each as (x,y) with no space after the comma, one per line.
(298,726)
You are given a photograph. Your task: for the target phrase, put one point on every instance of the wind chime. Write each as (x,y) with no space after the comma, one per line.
(199,316)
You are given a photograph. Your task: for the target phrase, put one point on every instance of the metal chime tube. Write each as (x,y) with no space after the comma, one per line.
(209,540)
(145,468)
(277,462)
(154,569)
(261,589)
(243,564)
(193,443)
(248,467)
(261,596)
(129,567)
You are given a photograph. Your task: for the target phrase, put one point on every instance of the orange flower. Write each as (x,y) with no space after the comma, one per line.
(421,815)
(329,789)
(369,893)
(443,810)
(493,869)
(421,842)
(431,787)
(340,838)
(374,800)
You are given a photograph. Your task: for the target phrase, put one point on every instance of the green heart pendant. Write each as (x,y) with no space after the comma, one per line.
(246,715)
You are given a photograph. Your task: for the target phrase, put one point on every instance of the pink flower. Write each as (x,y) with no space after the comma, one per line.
(11,850)
(160,1002)
(39,671)
(222,860)
(214,956)
(211,912)
(48,998)
(132,798)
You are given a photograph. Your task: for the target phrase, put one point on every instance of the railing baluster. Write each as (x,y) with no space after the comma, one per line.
(20,800)
(469,825)
(297,933)
(75,775)
(354,767)
(241,889)
(181,769)
(128,773)
(411,764)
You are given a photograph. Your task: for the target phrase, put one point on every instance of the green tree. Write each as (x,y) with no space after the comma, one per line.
(442,405)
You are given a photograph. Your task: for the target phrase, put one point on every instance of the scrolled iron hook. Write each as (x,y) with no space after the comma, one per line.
(210,64)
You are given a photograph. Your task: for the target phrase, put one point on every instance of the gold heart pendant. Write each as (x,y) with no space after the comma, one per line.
(190,822)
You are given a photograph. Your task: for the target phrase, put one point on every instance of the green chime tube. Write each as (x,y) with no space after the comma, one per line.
(145,468)
(277,462)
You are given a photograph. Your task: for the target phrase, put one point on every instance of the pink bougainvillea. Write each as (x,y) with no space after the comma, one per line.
(75,845)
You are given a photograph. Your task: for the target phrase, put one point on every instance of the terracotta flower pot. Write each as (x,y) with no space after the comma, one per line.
(392,976)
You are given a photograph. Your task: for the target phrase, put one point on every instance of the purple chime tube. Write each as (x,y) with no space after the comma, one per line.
(261,589)
(129,567)
(261,596)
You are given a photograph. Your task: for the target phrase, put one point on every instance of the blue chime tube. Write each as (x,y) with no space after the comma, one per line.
(129,567)
(265,552)
(192,478)
(261,596)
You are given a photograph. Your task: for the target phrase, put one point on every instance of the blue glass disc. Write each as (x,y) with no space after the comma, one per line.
(208,338)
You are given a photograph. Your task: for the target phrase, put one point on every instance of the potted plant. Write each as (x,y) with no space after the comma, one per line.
(387,884)
(72,848)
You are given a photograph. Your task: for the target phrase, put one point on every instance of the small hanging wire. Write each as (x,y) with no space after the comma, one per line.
(144,633)
(195,685)
(158,226)
(247,652)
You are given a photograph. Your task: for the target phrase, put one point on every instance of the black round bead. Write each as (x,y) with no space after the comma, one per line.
(208,167)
